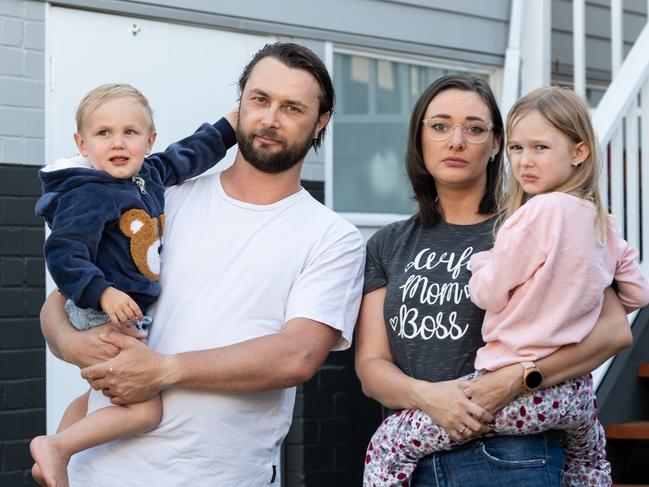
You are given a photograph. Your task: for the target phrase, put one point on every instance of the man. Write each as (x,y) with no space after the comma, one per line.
(259,282)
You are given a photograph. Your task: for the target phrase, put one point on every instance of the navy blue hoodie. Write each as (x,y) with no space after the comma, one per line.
(106,231)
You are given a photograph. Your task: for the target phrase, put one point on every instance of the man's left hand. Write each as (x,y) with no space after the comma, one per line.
(134,375)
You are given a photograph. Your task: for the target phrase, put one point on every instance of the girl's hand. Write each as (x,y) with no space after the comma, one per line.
(494,390)
(119,307)
(448,405)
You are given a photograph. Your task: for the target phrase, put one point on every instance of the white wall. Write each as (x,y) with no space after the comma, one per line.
(188,74)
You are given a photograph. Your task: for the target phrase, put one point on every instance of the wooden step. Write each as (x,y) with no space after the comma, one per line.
(643,370)
(633,430)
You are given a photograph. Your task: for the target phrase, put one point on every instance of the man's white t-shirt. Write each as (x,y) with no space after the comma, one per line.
(232,271)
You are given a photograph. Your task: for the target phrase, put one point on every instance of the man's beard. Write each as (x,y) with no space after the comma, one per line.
(277,161)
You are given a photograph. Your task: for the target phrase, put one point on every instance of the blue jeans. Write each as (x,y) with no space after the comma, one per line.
(498,461)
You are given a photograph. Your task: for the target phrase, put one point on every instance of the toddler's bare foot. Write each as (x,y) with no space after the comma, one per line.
(37,474)
(51,469)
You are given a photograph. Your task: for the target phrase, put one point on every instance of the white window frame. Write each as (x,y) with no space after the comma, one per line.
(379,219)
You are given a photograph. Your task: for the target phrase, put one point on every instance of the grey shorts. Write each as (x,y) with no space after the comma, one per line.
(86,318)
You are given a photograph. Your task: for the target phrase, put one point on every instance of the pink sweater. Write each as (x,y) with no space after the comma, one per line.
(543,282)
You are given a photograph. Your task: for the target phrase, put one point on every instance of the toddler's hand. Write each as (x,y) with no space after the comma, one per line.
(233,118)
(119,307)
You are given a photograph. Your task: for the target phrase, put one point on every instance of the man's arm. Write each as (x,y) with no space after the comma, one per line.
(274,361)
(79,348)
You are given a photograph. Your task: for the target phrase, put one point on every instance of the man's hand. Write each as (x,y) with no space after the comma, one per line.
(135,374)
(119,307)
(494,390)
(90,349)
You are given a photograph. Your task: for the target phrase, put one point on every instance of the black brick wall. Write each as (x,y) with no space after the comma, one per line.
(332,420)
(332,424)
(22,352)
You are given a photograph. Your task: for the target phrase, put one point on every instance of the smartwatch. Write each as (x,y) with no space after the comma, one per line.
(532,377)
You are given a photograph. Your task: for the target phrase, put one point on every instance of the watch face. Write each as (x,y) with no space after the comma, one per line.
(533,379)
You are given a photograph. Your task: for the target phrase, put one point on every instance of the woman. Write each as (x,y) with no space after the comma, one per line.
(418,331)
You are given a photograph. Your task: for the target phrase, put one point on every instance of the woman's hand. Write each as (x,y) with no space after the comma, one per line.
(448,405)
(494,390)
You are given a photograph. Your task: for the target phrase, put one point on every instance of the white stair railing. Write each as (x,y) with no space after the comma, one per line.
(624,143)
(621,122)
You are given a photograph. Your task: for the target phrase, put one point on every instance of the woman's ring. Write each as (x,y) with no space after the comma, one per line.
(461,429)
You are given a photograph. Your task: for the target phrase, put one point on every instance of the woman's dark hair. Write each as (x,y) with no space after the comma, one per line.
(423,184)
(298,57)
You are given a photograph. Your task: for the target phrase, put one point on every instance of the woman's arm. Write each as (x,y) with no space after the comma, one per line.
(445,402)
(611,334)
(78,348)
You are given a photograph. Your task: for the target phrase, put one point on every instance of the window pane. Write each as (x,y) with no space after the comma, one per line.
(352,84)
(375,98)
(369,174)
(388,87)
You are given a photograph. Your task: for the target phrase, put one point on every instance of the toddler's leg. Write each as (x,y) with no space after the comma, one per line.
(41,448)
(76,411)
(52,453)
(570,406)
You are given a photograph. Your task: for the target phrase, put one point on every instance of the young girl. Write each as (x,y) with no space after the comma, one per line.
(542,286)
(105,210)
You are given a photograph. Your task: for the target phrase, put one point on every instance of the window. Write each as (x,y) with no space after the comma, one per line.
(374,99)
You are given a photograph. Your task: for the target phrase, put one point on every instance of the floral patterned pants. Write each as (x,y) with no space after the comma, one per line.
(407,436)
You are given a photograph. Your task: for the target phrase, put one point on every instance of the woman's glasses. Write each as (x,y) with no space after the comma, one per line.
(473,131)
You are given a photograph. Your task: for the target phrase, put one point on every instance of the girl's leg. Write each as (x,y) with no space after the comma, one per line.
(399,443)
(52,453)
(572,407)
(404,438)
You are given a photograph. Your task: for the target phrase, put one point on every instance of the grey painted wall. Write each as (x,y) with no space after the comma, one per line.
(460,30)
(22,93)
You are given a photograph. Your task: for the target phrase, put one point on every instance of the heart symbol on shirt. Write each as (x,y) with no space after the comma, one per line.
(394,322)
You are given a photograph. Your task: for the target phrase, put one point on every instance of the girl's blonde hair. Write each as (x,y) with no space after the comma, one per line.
(567,112)
(108,92)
